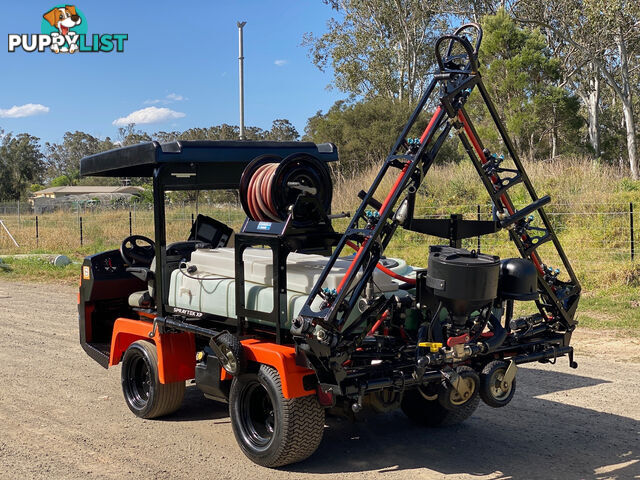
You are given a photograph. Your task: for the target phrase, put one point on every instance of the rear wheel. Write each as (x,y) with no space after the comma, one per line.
(270,429)
(143,392)
(426,405)
(493,389)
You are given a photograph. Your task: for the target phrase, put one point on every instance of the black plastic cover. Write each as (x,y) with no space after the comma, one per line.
(518,279)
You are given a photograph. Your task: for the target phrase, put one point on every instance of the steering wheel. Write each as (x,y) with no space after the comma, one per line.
(135,254)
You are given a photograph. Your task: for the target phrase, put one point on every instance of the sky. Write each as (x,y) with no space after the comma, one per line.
(179,68)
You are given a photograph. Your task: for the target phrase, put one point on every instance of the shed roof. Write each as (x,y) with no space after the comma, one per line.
(89,189)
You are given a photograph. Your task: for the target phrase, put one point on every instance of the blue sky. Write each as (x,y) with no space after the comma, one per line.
(180,56)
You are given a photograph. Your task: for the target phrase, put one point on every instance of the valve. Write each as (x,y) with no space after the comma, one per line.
(372,218)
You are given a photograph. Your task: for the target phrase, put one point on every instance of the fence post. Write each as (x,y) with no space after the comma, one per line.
(81,239)
(18,213)
(37,233)
(631,230)
(478,235)
(130,222)
(192,219)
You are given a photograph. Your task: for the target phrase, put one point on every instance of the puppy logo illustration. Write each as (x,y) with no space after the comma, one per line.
(63,29)
(63,19)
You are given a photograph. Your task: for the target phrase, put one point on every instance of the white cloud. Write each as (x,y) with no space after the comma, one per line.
(148,115)
(280,63)
(176,97)
(27,110)
(172,97)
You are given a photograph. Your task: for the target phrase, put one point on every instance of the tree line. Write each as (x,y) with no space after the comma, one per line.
(27,166)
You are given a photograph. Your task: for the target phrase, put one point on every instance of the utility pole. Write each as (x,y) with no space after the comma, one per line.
(241,77)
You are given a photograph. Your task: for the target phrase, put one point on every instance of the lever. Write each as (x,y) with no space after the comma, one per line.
(520,214)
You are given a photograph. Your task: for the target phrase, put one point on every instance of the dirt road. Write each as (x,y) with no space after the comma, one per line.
(63,416)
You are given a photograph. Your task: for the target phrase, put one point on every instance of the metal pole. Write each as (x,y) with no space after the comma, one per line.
(241,77)
(130,223)
(81,239)
(9,233)
(37,233)
(633,245)
(478,235)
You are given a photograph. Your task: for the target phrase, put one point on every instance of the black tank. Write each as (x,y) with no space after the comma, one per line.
(464,281)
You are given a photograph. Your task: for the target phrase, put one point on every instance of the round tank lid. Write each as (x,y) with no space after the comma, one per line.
(460,256)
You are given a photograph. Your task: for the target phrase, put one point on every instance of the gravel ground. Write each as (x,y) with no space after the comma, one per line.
(63,416)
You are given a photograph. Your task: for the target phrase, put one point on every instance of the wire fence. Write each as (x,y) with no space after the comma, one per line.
(592,234)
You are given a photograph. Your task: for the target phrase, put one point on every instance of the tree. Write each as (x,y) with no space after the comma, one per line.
(378,48)
(364,131)
(130,136)
(282,131)
(21,164)
(605,33)
(63,159)
(522,76)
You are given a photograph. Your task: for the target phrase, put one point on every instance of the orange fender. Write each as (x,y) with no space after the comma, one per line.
(282,358)
(176,351)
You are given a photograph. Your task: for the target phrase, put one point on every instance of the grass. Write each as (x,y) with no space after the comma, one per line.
(589,212)
(38,270)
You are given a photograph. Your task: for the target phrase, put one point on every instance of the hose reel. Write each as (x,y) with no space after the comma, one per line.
(270,186)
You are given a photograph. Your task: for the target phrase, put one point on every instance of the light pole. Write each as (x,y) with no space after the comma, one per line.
(241,77)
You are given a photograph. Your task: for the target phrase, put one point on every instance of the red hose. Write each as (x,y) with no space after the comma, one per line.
(376,325)
(259,198)
(383,269)
(431,123)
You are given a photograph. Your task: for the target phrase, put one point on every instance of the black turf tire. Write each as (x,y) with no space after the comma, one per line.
(143,392)
(487,382)
(230,343)
(271,430)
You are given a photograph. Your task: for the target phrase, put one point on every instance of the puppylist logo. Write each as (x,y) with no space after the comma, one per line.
(64,30)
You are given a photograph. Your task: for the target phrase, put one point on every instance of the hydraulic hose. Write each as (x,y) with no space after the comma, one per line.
(385,270)
(499,335)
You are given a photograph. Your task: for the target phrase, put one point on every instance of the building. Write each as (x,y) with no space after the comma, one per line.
(50,198)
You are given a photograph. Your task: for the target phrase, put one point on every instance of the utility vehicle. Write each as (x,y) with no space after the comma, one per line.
(283,321)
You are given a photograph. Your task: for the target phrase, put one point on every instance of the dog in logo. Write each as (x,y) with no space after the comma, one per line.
(63,18)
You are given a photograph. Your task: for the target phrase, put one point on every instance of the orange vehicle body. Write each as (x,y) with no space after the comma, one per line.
(177,355)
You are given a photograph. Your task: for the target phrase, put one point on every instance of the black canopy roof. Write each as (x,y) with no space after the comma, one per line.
(221,162)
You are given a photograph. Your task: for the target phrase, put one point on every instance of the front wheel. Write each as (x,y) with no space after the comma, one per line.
(271,430)
(143,392)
